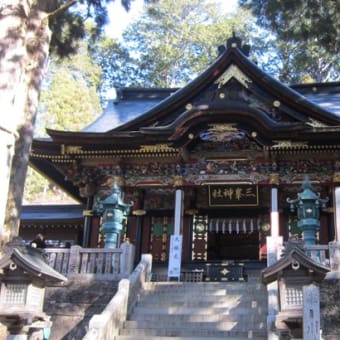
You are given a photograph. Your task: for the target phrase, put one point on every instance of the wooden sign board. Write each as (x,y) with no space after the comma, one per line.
(223,195)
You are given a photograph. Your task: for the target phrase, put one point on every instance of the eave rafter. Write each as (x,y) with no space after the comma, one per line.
(74,153)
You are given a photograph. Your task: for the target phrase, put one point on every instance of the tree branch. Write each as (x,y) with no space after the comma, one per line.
(62,8)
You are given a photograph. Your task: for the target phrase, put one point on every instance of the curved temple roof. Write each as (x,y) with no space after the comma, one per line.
(232,91)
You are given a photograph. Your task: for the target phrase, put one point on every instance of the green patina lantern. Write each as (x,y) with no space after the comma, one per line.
(308,205)
(114,212)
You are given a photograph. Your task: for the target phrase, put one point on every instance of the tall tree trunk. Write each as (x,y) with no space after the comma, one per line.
(25,38)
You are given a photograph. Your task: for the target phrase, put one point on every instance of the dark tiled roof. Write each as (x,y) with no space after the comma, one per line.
(326,95)
(31,260)
(130,103)
(134,102)
(51,212)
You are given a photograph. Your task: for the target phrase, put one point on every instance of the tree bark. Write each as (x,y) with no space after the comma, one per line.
(25,38)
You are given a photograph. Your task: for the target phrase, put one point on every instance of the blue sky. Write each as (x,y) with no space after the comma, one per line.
(119,18)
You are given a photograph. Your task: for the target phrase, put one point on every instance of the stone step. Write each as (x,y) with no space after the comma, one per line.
(208,286)
(239,325)
(204,302)
(194,293)
(241,316)
(198,311)
(200,333)
(186,310)
(148,337)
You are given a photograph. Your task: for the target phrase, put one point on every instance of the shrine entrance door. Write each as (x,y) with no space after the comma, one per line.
(233,246)
(234,238)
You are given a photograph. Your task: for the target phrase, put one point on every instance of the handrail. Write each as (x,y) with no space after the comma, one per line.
(106,325)
(101,263)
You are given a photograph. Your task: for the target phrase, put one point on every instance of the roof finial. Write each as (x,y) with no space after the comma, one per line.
(235,42)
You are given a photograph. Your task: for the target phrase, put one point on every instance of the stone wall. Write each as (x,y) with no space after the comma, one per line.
(330,307)
(72,306)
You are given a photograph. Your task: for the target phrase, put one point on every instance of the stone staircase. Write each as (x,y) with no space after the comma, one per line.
(200,310)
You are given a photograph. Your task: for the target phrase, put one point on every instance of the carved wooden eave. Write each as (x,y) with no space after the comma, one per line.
(295,257)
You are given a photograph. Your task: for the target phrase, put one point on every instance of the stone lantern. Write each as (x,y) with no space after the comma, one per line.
(114,212)
(24,273)
(298,277)
(307,205)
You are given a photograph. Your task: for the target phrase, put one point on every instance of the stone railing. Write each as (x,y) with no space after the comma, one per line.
(105,326)
(318,253)
(98,263)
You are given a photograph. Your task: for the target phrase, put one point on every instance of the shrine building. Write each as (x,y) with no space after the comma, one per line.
(214,161)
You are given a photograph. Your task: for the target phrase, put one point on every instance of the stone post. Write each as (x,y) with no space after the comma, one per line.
(337,213)
(74,260)
(147,260)
(334,256)
(127,259)
(334,246)
(311,312)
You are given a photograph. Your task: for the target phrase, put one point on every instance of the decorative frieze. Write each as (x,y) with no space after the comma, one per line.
(201,171)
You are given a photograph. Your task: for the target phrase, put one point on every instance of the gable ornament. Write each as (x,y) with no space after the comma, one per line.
(233,72)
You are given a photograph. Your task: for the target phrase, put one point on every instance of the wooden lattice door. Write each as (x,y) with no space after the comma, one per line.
(199,238)
(161,230)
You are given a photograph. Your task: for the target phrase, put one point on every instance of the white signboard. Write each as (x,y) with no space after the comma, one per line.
(175,256)
(311,312)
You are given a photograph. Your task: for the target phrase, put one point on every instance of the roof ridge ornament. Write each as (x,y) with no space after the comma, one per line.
(233,72)
(234,42)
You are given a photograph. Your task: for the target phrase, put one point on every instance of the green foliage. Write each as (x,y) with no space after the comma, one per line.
(304,40)
(69,100)
(116,64)
(68,26)
(39,190)
(171,43)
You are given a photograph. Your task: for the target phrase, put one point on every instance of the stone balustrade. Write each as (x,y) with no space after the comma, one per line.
(98,263)
(319,253)
(106,325)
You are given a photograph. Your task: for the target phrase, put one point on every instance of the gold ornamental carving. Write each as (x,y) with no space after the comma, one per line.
(274,179)
(156,148)
(71,149)
(233,72)
(315,123)
(178,181)
(87,213)
(222,128)
(336,177)
(114,180)
(289,144)
(139,212)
